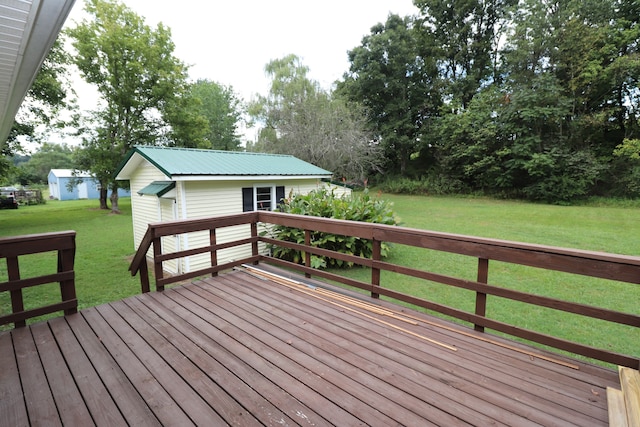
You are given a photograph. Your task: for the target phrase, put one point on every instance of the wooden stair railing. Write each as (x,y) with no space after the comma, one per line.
(15,248)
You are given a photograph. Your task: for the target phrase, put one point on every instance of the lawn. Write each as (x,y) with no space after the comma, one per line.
(105,245)
(611,229)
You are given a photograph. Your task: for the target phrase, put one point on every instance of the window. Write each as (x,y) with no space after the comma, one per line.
(264,198)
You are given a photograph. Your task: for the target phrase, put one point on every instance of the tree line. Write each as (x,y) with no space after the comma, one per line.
(533,99)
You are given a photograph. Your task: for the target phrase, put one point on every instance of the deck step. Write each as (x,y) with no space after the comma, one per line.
(624,404)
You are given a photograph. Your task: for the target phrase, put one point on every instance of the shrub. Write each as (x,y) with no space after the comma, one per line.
(323,203)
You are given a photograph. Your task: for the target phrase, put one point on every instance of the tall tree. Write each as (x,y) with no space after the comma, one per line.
(464,36)
(396,81)
(50,94)
(48,156)
(138,78)
(223,111)
(301,119)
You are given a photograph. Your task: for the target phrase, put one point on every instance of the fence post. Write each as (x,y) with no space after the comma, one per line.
(481,297)
(66,260)
(17,303)
(214,252)
(307,254)
(375,272)
(157,265)
(254,236)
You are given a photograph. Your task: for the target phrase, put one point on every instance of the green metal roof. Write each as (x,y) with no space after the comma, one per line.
(186,161)
(158,188)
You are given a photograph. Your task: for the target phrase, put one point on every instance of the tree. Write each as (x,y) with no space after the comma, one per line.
(139,80)
(48,156)
(302,120)
(463,36)
(397,84)
(39,113)
(223,112)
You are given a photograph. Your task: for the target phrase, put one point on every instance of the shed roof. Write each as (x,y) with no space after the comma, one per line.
(191,163)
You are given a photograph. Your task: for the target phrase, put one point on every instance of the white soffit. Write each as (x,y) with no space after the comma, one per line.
(28,29)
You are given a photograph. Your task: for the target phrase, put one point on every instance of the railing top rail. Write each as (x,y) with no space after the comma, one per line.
(35,243)
(37,236)
(198,224)
(469,245)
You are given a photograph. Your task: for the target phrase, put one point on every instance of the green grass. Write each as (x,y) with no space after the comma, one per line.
(104,245)
(608,228)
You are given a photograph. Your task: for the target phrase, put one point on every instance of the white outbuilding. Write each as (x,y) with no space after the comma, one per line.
(180,183)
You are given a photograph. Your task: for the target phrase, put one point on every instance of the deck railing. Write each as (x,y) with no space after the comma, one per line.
(15,248)
(595,264)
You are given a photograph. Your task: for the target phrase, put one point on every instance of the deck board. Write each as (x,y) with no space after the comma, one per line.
(241,350)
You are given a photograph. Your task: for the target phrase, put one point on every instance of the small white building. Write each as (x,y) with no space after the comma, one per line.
(179,183)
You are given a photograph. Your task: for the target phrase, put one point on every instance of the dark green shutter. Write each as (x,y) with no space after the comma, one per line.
(247,199)
(279,195)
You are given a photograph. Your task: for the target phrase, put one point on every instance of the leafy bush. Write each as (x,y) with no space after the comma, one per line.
(432,184)
(323,203)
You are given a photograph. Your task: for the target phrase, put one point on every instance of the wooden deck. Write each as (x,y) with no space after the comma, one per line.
(241,350)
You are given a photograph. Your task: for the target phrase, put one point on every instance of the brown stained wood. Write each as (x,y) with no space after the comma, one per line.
(13,411)
(36,243)
(241,350)
(129,402)
(181,375)
(97,398)
(69,401)
(164,407)
(325,352)
(41,405)
(323,399)
(444,395)
(159,367)
(355,390)
(589,263)
(222,370)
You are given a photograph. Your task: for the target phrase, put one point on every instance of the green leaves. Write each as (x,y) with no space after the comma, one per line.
(356,207)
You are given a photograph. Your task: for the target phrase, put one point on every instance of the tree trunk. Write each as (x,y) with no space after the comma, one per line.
(114,201)
(103,196)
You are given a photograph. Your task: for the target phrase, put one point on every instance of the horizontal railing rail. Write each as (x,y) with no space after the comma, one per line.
(15,248)
(614,267)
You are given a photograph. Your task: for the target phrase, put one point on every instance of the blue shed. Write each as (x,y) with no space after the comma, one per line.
(89,188)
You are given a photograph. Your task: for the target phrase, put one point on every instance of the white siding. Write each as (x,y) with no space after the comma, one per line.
(145,209)
(201,199)
(206,199)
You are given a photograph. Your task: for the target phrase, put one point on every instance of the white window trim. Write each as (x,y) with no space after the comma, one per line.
(272,198)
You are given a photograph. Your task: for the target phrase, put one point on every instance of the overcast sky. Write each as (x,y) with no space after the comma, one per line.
(231,41)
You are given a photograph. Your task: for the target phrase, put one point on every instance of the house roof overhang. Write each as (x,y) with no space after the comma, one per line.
(28,29)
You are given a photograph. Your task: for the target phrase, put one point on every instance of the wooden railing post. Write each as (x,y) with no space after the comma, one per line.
(144,277)
(254,235)
(307,254)
(481,297)
(17,303)
(214,251)
(157,265)
(66,259)
(376,255)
